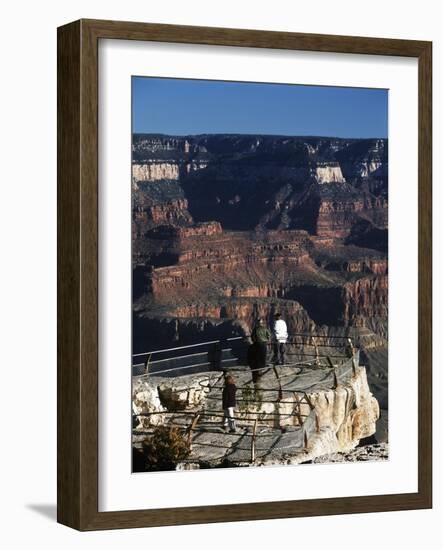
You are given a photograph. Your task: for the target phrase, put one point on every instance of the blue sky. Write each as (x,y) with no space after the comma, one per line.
(178,106)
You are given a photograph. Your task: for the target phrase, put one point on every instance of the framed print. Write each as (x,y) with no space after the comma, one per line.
(244,275)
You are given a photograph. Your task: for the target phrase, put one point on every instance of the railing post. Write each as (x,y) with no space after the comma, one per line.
(148,360)
(355,361)
(308,401)
(254,432)
(280,391)
(317,357)
(335,380)
(350,352)
(191,428)
(298,409)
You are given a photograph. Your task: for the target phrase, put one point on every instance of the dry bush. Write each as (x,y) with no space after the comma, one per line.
(165,449)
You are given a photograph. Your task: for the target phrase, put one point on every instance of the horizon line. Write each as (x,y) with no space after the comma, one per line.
(254,134)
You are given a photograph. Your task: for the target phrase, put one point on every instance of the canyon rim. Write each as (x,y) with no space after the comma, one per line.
(232,227)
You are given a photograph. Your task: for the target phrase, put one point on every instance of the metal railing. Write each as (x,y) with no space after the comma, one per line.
(307,427)
(219,354)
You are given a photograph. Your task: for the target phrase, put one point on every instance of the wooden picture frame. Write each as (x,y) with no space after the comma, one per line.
(78,273)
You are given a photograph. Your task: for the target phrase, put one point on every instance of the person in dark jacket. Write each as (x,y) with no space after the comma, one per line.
(229,403)
(261,336)
(252,361)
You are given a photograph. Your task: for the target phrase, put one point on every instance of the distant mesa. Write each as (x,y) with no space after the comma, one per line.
(323,185)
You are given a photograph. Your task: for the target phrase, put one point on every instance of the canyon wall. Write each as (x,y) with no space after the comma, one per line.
(318,184)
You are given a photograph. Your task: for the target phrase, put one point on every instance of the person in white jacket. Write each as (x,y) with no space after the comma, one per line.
(280,332)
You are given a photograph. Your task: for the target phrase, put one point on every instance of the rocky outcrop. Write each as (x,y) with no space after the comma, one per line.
(179,234)
(155,171)
(329,174)
(174,212)
(365,298)
(350,411)
(275,173)
(182,396)
(230,264)
(337,216)
(375,266)
(247,311)
(146,404)
(366,162)
(310,419)
(350,304)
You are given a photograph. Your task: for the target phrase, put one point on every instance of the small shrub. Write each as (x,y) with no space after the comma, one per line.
(165,449)
(251,398)
(246,398)
(258,397)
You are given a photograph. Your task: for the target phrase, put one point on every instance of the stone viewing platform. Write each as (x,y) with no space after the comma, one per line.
(291,414)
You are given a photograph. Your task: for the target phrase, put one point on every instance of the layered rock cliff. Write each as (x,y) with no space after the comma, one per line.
(270,181)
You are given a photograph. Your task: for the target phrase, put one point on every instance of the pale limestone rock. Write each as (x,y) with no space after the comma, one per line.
(345,415)
(181,394)
(368,167)
(329,174)
(155,171)
(350,411)
(145,399)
